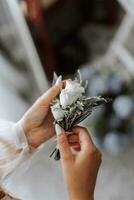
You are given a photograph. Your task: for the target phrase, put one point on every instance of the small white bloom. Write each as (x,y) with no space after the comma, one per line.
(71,93)
(57,112)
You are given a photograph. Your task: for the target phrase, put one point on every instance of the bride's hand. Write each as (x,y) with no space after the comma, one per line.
(80,171)
(38,120)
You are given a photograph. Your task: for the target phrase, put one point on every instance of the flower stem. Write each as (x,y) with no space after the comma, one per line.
(56,154)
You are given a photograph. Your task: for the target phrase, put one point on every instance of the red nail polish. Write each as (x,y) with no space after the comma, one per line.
(76,148)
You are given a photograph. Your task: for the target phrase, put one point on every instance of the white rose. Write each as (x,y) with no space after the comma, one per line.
(57,112)
(65,98)
(71,93)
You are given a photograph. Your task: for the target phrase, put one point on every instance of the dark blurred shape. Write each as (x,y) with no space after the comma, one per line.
(64,21)
(71,53)
(101,11)
(37,26)
(55,24)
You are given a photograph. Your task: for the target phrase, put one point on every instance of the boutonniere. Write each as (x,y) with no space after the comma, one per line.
(71,106)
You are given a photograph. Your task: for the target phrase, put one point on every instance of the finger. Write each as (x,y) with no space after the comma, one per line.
(63,144)
(85,139)
(73,138)
(77,148)
(72,144)
(46,99)
(48,96)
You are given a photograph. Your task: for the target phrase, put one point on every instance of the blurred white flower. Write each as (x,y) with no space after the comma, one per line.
(57,112)
(123,106)
(71,93)
(97,86)
(115,142)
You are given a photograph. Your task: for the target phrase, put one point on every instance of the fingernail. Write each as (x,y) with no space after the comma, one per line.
(58,129)
(69,133)
(58,81)
(76,149)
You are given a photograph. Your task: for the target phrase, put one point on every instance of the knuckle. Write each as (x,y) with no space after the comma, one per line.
(95,153)
(93,150)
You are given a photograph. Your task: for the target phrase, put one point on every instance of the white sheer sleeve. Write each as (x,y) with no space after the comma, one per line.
(14,148)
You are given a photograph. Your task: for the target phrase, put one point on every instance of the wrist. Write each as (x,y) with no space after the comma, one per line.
(81,198)
(84,196)
(28,135)
(83,192)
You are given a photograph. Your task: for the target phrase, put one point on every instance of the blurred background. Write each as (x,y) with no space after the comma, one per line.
(95,36)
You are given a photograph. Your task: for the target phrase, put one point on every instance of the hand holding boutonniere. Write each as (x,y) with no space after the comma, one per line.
(71,106)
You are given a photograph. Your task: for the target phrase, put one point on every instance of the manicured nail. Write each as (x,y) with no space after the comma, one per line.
(58,81)
(76,148)
(58,129)
(69,132)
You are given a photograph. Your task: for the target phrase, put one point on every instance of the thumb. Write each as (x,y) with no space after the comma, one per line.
(49,95)
(63,144)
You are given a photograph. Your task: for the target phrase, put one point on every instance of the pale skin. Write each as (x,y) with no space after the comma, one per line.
(80,171)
